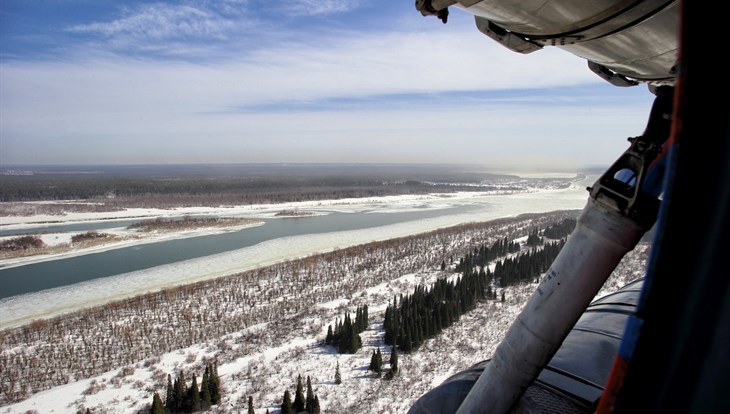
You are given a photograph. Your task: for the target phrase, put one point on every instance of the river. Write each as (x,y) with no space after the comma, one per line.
(52,287)
(62,272)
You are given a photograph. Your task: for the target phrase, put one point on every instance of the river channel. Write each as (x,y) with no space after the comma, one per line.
(55,273)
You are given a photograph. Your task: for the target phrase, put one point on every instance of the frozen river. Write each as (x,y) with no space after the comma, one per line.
(52,287)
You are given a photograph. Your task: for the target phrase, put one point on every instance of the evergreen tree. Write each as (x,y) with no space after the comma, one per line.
(328,340)
(215,385)
(309,404)
(299,396)
(502,295)
(315,406)
(157,407)
(338,377)
(193,397)
(394,359)
(376,363)
(358,320)
(379,361)
(179,392)
(364,318)
(355,342)
(408,348)
(206,399)
(286,406)
(345,336)
(250,405)
(170,395)
(443,265)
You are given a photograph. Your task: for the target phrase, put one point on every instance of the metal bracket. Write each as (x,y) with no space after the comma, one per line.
(612,77)
(621,187)
(510,40)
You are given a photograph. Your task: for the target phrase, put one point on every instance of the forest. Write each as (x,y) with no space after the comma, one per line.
(113,188)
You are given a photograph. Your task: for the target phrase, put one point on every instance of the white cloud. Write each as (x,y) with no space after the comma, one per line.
(347,68)
(317,7)
(162,21)
(107,107)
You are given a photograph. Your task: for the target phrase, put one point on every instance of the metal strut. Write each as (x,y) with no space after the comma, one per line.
(622,206)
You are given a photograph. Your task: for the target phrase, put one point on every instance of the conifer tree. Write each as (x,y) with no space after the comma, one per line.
(170,395)
(330,334)
(345,336)
(179,392)
(157,407)
(379,361)
(215,385)
(394,359)
(315,406)
(309,404)
(286,406)
(299,396)
(355,342)
(250,405)
(338,377)
(358,320)
(205,397)
(376,363)
(194,395)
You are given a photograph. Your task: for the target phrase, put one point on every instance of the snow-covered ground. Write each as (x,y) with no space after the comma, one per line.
(267,373)
(263,359)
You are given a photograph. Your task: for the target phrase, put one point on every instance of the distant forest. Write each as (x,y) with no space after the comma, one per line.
(146,186)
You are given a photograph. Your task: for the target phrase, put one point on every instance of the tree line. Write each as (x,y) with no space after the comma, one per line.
(427,311)
(376,363)
(485,254)
(346,334)
(198,189)
(308,404)
(180,398)
(561,229)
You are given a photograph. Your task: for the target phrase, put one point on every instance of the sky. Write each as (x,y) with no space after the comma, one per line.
(254,81)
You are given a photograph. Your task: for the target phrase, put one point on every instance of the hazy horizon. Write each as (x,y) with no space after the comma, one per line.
(312,166)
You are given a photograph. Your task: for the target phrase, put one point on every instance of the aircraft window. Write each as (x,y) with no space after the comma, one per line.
(626,176)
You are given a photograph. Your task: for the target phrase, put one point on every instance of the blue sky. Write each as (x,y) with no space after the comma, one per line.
(231,81)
